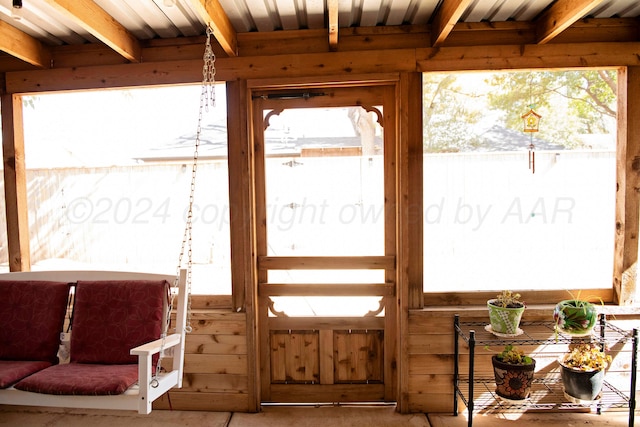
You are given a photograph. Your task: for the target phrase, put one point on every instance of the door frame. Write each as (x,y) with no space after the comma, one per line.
(409,288)
(276,100)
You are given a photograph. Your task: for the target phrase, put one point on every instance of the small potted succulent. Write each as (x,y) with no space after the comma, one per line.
(505,313)
(513,372)
(583,370)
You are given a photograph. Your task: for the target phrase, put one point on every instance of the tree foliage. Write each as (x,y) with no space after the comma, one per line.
(448,118)
(571,103)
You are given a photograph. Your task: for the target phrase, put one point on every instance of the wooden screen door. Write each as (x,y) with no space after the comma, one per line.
(325,209)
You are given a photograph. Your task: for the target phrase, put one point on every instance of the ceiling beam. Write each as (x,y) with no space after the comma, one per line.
(617,30)
(22,46)
(332,12)
(214,15)
(101,25)
(560,16)
(352,65)
(446,18)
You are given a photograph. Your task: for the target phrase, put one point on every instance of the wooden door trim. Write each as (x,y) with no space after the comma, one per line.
(326,289)
(380,93)
(386,262)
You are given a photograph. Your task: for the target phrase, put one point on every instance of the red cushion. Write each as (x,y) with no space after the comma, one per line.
(31,318)
(81,379)
(12,371)
(110,318)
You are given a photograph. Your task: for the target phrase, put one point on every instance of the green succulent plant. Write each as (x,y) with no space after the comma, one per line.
(507,299)
(514,356)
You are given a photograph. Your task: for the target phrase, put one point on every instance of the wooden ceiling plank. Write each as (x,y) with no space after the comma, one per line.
(21,45)
(446,18)
(190,71)
(214,15)
(560,16)
(351,39)
(332,12)
(534,56)
(296,65)
(101,25)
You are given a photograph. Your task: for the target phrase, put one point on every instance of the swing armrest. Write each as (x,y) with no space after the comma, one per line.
(151,385)
(154,347)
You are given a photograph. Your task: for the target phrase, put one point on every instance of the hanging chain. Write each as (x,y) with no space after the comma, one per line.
(208,77)
(207,98)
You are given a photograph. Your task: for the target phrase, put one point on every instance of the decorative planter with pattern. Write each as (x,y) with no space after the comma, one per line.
(575,317)
(505,320)
(513,382)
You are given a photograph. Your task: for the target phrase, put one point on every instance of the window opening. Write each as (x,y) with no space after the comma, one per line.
(107,183)
(489,223)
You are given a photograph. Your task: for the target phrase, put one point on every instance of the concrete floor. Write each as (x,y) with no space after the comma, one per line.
(325,416)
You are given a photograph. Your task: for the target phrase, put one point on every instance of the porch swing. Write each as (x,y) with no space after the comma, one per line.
(119,325)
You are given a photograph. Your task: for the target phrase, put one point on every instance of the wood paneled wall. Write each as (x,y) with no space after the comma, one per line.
(215,371)
(216,359)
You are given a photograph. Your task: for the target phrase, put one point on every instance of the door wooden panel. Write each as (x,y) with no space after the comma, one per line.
(359,356)
(295,357)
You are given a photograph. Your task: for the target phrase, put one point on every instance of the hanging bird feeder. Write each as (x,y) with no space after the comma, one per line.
(531,123)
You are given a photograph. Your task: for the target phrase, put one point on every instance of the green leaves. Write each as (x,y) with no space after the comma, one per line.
(513,355)
(572,103)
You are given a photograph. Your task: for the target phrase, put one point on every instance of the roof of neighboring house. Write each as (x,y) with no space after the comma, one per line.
(499,138)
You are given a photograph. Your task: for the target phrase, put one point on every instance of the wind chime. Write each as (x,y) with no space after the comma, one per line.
(531,121)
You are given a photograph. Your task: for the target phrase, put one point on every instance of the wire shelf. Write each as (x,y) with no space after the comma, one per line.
(547,394)
(538,333)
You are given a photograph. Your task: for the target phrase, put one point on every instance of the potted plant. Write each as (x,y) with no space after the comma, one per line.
(583,370)
(575,317)
(513,372)
(505,312)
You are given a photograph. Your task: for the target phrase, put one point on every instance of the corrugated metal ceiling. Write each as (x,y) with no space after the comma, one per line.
(70,33)
(149,19)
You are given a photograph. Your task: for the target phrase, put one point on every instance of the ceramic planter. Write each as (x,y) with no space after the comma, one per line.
(575,317)
(505,320)
(513,382)
(582,385)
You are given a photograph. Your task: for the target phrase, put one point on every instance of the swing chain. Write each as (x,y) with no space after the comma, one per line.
(207,98)
(209,72)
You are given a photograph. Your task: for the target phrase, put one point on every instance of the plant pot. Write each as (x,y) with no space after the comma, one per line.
(513,382)
(582,385)
(575,317)
(504,320)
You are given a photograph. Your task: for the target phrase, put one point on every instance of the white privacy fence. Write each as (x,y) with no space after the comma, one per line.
(129,218)
(489,223)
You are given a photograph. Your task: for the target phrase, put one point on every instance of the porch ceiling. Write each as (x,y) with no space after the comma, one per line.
(50,29)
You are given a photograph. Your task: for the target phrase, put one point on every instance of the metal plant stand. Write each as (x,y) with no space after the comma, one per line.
(478,392)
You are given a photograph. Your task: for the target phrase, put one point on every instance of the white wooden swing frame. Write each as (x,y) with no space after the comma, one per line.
(139,397)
